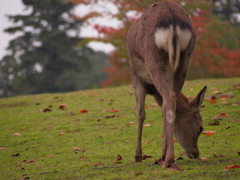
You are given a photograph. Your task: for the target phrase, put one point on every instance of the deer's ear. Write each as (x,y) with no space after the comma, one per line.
(198,100)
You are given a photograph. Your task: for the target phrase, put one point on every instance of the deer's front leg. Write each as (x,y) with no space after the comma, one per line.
(140,95)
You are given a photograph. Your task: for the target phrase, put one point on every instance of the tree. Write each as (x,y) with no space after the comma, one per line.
(45,57)
(217,46)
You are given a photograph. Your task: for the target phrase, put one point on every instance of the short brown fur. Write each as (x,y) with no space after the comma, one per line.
(150,74)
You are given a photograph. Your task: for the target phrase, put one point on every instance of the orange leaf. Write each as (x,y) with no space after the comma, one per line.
(92,95)
(209,133)
(232,167)
(2,148)
(119,157)
(147,107)
(83,111)
(114,110)
(61,134)
(224,97)
(213,101)
(174,140)
(223,115)
(76,149)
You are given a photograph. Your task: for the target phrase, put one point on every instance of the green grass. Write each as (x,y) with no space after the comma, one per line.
(101,137)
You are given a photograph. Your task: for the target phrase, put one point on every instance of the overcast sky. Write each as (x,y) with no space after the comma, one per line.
(13,7)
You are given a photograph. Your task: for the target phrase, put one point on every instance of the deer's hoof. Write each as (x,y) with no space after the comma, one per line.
(138,158)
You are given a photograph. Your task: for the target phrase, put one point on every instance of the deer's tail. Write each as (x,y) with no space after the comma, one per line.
(173,40)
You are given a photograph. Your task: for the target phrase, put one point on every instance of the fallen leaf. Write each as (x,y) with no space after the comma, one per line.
(127,141)
(138,173)
(190,97)
(83,111)
(30,161)
(218,155)
(215,123)
(209,133)
(160,161)
(174,140)
(46,110)
(232,167)
(201,158)
(217,118)
(216,92)
(146,125)
(213,101)
(235,121)
(16,134)
(224,97)
(235,104)
(118,162)
(76,149)
(114,110)
(61,134)
(213,88)
(147,107)
(223,115)
(174,167)
(131,123)
(105,110)
(2,148)
(92,95)
(119,157)
(15,155)
(62,106)
(146,156)
(154,104)
(70,114)
(228,127)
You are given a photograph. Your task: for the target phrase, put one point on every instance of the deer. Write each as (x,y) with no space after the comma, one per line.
(160,44)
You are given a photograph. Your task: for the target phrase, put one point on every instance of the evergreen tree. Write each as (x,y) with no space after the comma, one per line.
(45,57)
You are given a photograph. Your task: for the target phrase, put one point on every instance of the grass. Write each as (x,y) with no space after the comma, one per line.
(39,151)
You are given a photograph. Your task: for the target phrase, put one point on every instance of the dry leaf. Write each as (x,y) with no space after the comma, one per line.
(119,157)
(2,148)
(223,115)
(174,167)
(83,111)
(131,123)
(154,104)
(146,125)
(147,107)
(213,101)
(62,106)
(215,123)
(114,110)
(15,155)
(127,141)
(61,134)
(209,133)
(46,110)
(30,161)
(201,158)
(92,95)
(232,167)
(16,134)
(76,149)
(218,155)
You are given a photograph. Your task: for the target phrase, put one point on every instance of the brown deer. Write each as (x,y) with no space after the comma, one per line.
(160,44)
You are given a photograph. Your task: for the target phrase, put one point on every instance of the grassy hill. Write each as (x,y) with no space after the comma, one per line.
(47,137)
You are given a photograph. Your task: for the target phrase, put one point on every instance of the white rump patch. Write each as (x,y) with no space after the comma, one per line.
(184,36)
(162,37)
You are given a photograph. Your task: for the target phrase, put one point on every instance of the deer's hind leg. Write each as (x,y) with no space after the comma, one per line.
(140,95)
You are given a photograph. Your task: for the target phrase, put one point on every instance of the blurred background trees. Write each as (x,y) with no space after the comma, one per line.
(50,56)
(45,56)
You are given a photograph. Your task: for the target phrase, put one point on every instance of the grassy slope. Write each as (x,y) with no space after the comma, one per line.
(101,139)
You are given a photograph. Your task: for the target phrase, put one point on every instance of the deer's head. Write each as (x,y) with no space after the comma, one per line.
(188,124)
